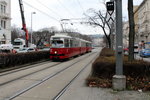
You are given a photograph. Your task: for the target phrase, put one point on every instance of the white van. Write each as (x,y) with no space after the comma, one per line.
(6,48)
(19,44)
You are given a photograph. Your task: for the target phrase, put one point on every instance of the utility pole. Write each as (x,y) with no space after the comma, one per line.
(31,25)
(119,80)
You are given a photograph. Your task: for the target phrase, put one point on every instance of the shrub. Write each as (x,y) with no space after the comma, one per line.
(107,52)
(103,69)
(7,60)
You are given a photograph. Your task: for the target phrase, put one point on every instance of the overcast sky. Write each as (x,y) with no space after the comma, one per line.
(50,12)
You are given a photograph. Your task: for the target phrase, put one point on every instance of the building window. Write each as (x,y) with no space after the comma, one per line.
(3,8)
(3,24)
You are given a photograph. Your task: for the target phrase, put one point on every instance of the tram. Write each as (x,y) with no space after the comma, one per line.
(64,46)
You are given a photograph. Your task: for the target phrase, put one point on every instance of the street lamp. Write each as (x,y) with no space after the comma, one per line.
(31,24)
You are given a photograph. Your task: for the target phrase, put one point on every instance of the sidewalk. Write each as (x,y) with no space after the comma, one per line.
(79,91)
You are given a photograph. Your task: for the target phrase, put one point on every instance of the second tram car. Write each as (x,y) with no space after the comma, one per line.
(64,46)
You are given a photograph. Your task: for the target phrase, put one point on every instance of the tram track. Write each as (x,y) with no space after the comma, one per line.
(25,68)
(73,79)
(41,80)
(13,70)
(1,84)
(21,67)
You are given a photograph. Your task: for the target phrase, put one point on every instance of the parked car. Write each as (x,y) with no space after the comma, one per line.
(30,49)
(126,49)
(7,48)
(46,49)
(145,53)
(136,50)
(24,50)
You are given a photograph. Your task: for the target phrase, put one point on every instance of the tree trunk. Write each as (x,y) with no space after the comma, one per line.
(109,42)
(107,38)
(131,30)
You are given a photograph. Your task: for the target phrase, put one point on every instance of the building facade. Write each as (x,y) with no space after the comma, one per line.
(125,34)
(136,21)
(5,21)
(143,23)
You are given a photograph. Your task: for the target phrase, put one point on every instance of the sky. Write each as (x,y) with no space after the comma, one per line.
(50,12)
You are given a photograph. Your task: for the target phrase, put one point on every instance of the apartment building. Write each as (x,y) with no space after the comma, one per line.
(5,21)
(125,34)
(143,23)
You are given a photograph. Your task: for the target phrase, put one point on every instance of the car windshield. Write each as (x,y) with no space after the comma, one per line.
(17,43)
(57,43)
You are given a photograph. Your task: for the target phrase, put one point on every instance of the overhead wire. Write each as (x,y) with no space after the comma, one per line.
(66,8)
(74,18)
(80,5)
(41,11)
(49,8)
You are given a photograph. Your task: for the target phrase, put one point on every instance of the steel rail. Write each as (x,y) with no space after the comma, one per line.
(43,80)
(67,86)
(1,84)
(22,67)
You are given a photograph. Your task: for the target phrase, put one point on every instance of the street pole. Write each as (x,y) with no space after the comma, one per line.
(119,80)
(119,43)
(31,24)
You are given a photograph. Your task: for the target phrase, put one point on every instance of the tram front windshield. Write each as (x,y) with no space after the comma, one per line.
(57,43)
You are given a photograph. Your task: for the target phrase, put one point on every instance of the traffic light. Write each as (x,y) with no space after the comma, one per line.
(110,6)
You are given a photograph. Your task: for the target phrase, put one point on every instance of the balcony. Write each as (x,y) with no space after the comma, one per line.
(4,16)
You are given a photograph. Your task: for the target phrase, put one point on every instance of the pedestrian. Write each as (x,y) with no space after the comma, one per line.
(14,51)
(141,45)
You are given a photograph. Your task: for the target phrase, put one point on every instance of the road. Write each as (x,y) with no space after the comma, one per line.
(142,58)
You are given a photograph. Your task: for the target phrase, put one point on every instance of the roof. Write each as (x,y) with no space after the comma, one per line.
(61,35)
(143,2)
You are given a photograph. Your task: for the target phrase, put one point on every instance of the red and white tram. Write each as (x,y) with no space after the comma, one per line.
(64,46)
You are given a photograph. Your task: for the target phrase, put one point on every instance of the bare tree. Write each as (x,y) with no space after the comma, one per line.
(131,30)
(15,32)
(97,19)
(43,36)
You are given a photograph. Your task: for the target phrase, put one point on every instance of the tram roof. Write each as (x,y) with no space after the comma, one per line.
(64,35)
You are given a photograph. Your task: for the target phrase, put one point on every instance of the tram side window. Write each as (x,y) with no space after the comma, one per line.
(71,43)
(83,44)
(66,42)
(74,43)
(88,45)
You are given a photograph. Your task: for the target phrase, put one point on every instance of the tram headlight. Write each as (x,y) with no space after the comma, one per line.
(55,52)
